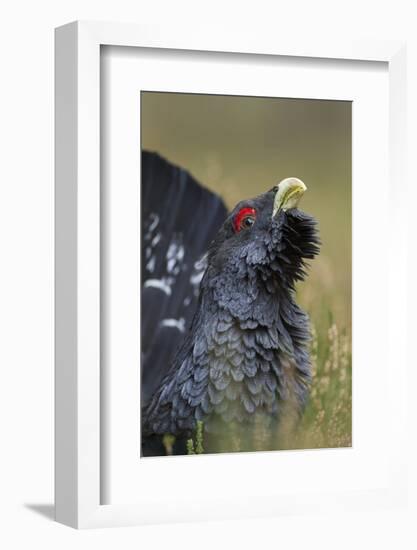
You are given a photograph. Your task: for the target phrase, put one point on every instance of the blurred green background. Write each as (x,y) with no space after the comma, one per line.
(242,146)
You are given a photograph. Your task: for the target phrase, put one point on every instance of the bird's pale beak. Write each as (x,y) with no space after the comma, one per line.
(290,191)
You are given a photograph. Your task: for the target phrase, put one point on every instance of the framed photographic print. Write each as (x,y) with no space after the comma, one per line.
(220,291)
(223,343)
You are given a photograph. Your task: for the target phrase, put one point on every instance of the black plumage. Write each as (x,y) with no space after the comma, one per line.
(247,347)
(174,242)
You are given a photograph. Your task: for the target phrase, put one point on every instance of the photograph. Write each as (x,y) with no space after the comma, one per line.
(246,273)
(208,222)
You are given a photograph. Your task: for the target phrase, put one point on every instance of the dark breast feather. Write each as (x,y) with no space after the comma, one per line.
(227,371)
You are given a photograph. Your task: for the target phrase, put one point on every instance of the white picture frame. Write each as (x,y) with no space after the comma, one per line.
(78,406)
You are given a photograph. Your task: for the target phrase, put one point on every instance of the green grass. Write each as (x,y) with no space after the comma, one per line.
(195,445)
(326,296)
(327,420)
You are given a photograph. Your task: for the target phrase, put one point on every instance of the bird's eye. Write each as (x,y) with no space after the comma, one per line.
(244,219)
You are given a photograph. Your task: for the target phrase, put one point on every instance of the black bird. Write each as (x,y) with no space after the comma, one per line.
(247,349)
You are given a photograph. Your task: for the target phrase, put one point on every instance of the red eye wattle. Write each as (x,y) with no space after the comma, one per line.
(244,219)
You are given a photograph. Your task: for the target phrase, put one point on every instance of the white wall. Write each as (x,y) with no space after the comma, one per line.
(26,255)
